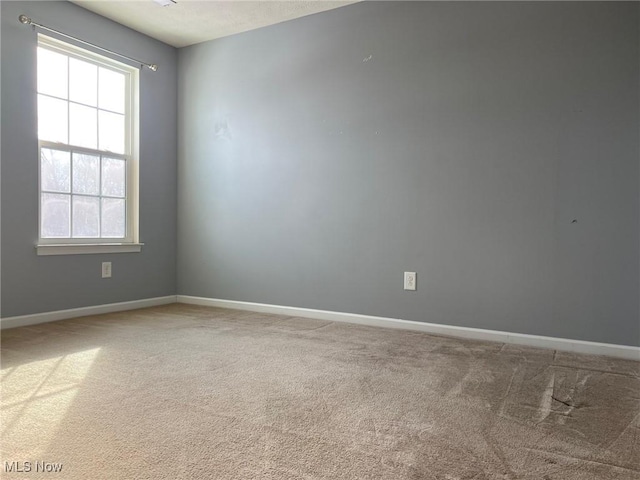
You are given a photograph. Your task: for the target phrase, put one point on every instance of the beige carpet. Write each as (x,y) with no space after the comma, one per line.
(183,392)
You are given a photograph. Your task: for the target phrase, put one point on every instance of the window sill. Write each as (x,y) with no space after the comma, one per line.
(87,248)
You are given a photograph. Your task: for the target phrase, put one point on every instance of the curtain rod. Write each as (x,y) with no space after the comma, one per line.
(27,21)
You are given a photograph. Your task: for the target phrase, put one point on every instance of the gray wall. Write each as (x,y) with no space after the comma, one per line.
(322,157)
(32,284)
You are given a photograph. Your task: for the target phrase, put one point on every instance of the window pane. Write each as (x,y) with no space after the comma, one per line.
(111,90)
(111,132)
(52,119)
(86,174)
(83,82)
(55,170)
(52,73)
(113,217)
(113,177)
(83,126)
(86,216)
(55,215)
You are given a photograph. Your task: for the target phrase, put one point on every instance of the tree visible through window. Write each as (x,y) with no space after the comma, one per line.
(85,132)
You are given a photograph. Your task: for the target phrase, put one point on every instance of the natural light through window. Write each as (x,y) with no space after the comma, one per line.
(86,132)
(42,390)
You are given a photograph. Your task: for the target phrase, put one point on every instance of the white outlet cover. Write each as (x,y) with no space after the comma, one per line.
(106,269)
(410,279)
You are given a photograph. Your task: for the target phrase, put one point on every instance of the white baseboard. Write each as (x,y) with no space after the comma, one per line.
(563,344)
(24,320)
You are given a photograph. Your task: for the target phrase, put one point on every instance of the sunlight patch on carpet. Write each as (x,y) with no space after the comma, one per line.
(37,395)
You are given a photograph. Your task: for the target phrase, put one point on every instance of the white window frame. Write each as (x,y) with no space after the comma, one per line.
(130,242)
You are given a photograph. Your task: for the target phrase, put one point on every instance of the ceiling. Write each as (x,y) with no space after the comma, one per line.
(194,21)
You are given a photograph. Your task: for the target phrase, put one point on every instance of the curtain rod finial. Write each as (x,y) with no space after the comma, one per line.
(24,19)
(153,67)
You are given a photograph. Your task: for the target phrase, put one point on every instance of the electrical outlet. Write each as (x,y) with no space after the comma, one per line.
(410,280)
(106,269)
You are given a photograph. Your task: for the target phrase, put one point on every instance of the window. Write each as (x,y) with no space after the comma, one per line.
(87,123)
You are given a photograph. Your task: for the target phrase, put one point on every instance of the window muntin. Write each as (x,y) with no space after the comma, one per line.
(88,168)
